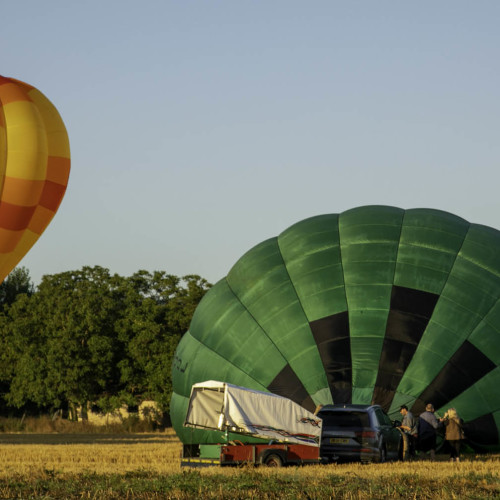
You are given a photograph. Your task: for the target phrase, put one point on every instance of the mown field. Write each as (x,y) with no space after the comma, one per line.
(147,466)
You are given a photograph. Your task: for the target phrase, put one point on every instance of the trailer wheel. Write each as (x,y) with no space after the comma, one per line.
(273,460)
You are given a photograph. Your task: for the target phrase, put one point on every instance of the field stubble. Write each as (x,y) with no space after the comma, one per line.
(147,466)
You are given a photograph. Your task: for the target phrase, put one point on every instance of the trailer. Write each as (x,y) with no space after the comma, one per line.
(291,433)
(271,455)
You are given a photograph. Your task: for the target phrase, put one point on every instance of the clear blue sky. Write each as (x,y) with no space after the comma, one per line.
(201,128)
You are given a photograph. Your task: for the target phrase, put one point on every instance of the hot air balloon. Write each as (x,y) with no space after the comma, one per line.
(34,168)
(373,305)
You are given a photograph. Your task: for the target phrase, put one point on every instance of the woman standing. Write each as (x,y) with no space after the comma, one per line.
(454,432)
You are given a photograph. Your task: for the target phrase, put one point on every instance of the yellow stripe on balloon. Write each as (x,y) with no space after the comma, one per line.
(57,138)
(3,148)
(26,141)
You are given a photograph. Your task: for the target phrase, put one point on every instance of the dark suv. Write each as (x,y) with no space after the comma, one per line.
(358,432)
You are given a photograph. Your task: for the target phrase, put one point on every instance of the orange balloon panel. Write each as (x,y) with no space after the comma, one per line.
(34,168)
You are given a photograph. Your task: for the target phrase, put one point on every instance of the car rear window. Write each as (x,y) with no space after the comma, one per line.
(345,419)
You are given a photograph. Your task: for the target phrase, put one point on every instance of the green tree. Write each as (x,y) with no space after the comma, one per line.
(152,328)
(23,356)
(65,339)
(16,283)
(91,337)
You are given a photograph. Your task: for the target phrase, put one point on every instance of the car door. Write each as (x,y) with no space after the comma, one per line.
(390,434)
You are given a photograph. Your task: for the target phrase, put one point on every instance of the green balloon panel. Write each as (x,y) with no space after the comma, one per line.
(373,305)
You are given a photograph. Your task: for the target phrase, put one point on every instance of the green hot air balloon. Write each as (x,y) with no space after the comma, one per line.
(373,305)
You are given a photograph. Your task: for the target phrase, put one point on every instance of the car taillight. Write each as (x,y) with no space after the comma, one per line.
(366,434)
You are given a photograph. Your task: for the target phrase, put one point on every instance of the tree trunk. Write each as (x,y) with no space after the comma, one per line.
(85,411)
(73,414)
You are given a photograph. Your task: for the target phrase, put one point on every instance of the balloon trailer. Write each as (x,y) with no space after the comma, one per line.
(283,432)
(238,453)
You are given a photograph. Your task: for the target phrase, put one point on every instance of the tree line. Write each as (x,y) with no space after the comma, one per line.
(89,337)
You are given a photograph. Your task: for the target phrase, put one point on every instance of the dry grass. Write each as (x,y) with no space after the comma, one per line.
(148,466)
(76,453)
(402,473)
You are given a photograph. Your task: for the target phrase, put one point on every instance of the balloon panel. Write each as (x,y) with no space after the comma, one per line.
(311,250)
(34,168)
(373,305)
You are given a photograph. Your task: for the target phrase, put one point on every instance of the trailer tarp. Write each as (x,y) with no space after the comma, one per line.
(221,406)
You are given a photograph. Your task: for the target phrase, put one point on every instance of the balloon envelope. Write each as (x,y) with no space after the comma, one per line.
(373,305)
(34,168)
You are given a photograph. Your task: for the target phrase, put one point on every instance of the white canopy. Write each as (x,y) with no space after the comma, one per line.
(222,406)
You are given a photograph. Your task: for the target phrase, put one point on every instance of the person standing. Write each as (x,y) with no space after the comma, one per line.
(427,428)
(454,433)
(409,427)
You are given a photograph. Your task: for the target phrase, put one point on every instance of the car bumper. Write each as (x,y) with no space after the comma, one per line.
(336,454)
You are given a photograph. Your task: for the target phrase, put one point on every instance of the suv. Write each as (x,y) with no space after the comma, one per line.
(359,432)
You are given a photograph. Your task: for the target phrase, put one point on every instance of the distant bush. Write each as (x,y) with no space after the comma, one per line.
(47,425)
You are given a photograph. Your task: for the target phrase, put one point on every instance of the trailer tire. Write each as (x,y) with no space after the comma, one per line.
(273,460)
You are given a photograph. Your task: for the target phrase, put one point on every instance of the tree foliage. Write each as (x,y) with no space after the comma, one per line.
(88,336)
(15,284)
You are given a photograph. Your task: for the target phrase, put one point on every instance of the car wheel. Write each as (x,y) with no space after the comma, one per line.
(273,460)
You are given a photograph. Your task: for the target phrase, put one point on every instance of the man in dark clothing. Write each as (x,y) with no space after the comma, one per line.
(427,427)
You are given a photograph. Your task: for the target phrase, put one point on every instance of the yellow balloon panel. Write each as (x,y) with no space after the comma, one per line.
(3,149)
(34,168)
(26,141)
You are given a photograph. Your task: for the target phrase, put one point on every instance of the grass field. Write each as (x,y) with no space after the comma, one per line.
(147,466)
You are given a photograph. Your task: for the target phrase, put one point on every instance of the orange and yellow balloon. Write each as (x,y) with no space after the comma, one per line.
(34,168)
